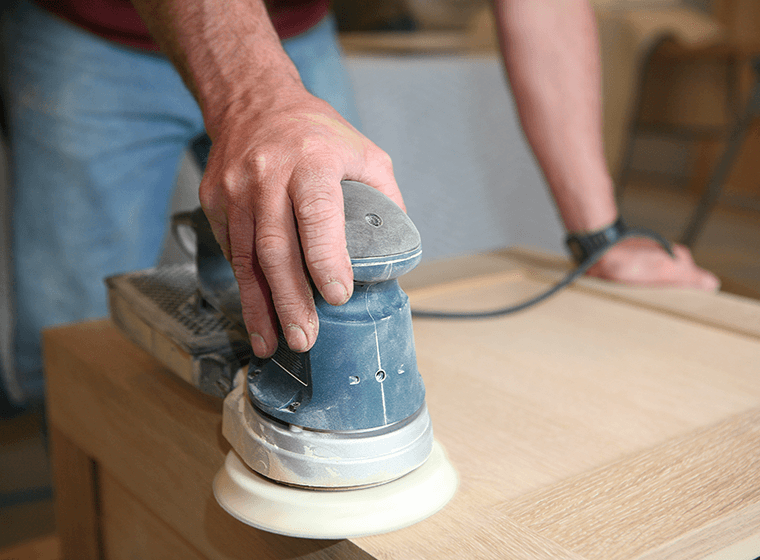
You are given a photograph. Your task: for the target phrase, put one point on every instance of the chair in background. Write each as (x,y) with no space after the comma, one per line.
(726,162)
(695,93)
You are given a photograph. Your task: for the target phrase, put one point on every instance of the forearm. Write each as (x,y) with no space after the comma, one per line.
(227,52)
(550,50)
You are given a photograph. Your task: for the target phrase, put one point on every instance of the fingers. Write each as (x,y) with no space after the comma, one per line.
(275,205)
(687,269)
(643,262)
(279,255)
(318,207)
(233,226)
(255,297)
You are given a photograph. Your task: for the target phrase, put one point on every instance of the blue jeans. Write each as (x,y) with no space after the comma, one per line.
(97,134)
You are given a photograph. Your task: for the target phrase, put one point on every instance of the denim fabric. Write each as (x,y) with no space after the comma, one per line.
(97,134)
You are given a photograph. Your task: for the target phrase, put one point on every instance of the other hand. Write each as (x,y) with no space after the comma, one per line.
(643,262)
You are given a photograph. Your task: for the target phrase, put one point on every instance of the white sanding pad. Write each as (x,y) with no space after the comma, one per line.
(300,512)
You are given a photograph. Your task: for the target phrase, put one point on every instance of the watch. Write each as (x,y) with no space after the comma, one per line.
(583,245)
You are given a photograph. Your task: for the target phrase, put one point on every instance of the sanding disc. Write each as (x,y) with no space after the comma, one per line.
(335,514)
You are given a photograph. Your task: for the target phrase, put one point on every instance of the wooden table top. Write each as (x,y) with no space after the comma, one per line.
(605,423)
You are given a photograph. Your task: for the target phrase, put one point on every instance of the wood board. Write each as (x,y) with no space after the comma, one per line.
(587,427)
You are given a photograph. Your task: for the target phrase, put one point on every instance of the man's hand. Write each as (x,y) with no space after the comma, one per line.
(271,189)
(551,52)
(272,194)
(643,262)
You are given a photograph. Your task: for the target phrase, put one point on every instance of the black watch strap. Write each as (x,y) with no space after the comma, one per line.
(584,245)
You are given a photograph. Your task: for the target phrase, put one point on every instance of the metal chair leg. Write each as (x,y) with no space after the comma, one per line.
(726,162)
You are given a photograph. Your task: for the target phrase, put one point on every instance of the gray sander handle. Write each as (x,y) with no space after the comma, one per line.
(382,242)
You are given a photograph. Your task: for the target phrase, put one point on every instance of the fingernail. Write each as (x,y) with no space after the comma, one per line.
(258,346)
(334,293)
(296,338)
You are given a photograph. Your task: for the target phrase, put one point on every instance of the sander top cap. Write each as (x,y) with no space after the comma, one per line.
(382,240)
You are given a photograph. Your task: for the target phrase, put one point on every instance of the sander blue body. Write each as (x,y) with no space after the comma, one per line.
(336,441)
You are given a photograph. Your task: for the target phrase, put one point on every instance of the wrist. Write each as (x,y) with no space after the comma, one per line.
(251,97)
(583,245)
(586,205)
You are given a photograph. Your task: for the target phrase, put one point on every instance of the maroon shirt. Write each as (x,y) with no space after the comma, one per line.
(117,20)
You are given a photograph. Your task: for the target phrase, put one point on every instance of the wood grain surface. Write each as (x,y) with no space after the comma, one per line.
(723,310)
(591,426)
(75,481)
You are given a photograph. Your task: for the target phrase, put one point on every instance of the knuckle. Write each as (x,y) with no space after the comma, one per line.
(208,195)
(381,158)
(257,163)
(293,308)
(231,182)
(294,304)
(322,260)
(218,189)
(271,248)
(313,146)
(317,207)
(243,268)
(320,221)
(385,160)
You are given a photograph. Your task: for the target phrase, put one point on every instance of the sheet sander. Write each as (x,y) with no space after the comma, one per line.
(335,442)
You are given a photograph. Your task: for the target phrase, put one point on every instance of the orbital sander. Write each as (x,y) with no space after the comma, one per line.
(335,442)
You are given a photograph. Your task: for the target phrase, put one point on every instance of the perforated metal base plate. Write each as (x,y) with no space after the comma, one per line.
(298,512)
(162,311)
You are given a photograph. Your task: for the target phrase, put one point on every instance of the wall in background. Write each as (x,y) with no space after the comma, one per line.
(468,178)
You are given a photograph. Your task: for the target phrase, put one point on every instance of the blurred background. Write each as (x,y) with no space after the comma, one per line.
(432,93)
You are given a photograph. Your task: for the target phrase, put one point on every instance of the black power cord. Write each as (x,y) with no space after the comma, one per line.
(571,277)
